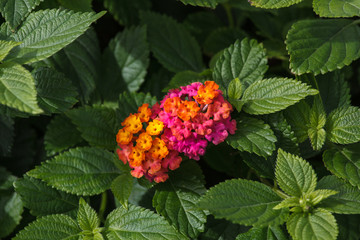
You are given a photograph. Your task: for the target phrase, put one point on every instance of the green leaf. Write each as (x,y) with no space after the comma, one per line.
(45,32)
(274,3)
(97,125)
(138,223)
(130,102)
(347,201)
(78,5)
(267,233)
(336,8)
(244,202)
(87,217)
(274,94)
(264,167)
(288,203)
(80,61)
(234,89)
(5,47)
(55,227)
(55,92)
(322,45)
(176,199)
(220,229)
(42,199)
(171,43)
(125,62)
(201,3)
(7,135)
(316,131)
(122,187)
(244,60)
(14,11)
(344,162)
(253,136)
(298,116)
(318,225)
(60,135)
(184,78)
(294,175)
(126,12)
(343,125)
(17,89)
(82,171)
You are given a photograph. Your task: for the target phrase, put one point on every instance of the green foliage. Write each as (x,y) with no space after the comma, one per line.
(337,8)
(5,47)
(274,3)
(202,3)
(298,117)
(130,102)
(266,233)
(7,135)
(88,220)
(122,187)
(83,171)
(317,120)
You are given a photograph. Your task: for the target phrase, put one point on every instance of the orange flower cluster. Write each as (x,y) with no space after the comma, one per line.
(141,147)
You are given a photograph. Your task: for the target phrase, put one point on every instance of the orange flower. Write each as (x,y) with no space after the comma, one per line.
(158,149)
(144,141)
(123,137)
(171,105)
(207,92)
(132,123)
(187,110)
(136,157)
(155,127)
(144,112)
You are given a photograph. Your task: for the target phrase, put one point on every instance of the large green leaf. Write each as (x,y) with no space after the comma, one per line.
(318,225)
(42,199)
(14,11)
(344,162)
(294,175)
(60,135)
(83,171)
(347,201)
(244,60)
(5,47)
(55,227)
(254,136)
(97,125)
(80,62)
(337,8)
(127,12)
(17,89)
(45,32)
(138,223)
(125,62)
(343,125)
(274,94)
(322,45)
(55,92)
(7,135)
(87,217)
(176,199)
(274,3)
(171,43)
(244,202)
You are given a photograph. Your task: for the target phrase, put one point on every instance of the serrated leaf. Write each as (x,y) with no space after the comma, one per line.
(97,125)
(320,194)
(322,45)
(87,217)
(274,3)
(56,227)
(336,8)
(288,203)
(78,5)
(60,135)
(244,60)
(7,135)
(343,125)
(267,233)
(298,116)
(317,120)
(17,89)
(234,89)
(274,94)
(294,175)
(82,171)
(138,223)
(5,47)
(176,199)
(55,92)
(244,202)
(171,43)
(80,61)
(45,32)
(201,3)
(122,187)
(318,225)
(346,201)
(184,78)
(125,62)
(42,199)
(253,136)
(14,11)
(130,102)
(126,12)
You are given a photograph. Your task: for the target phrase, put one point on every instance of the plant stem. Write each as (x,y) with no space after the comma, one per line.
(280,193)
(102,206)
(229,14)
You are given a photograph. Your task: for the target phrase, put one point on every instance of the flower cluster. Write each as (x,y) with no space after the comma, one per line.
(184,122)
